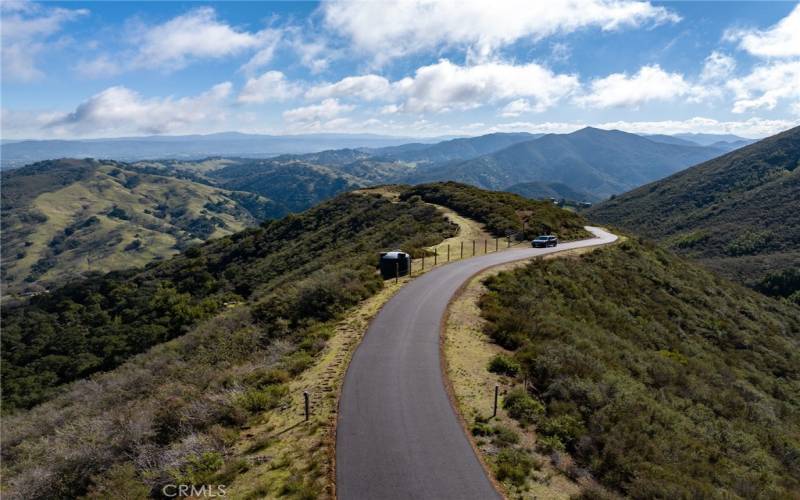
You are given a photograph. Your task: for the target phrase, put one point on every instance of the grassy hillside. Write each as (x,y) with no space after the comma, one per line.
(737,214)
(68,217)
(660,379)
(601,162)
(503,213)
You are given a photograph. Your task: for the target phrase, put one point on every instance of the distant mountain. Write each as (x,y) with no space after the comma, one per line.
(669,139)
(739,213)
(600,162)
(15,154)
(67,217)
(710,139)
(455,149)
(546,190)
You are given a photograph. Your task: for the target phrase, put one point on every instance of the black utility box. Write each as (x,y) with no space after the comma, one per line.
(396,263)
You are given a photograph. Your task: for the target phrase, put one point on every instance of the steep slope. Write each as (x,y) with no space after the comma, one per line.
(546,190)
(601,162)
(737,213)
(65,217)
(658,378)
(252,312)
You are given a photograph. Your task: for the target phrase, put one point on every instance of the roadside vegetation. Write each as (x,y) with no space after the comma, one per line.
(647,374)
(503,214)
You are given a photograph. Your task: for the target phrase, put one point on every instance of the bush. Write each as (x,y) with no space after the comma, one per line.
(255,400)
(504,365)
(119,482)
(514,465)
(504,436)
(521,407)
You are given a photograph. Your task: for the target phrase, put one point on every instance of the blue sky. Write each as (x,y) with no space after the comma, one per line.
(411,68)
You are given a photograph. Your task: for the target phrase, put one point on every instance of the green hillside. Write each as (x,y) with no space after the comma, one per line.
(547,190)
(63,218)
(658,378)
(738,214)
(246,313)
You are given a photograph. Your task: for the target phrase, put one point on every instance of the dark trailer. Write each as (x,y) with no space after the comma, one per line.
(396,263)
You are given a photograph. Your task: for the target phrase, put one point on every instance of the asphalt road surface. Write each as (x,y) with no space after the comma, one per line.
(398,437)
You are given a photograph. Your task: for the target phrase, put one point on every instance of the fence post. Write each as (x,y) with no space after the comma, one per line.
(485,246)
(473,248)
(305,397)
(448,252)
(509,241)
(423,260)
(462,249)
(496,394)
(496,244)
(435,255)
(396,271)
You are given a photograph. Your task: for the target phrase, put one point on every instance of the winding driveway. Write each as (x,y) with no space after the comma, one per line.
(398,437)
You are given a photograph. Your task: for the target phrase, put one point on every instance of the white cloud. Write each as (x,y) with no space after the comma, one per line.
(271,86)
(100,67)
(516,108)
(26,30)
(122,110)
(445,86)
(268,41)
(367,87)
(197,35)
(388,30)
(717,67)
(781,40)
(326,110)
(650,83)
(753,127)
(766,86)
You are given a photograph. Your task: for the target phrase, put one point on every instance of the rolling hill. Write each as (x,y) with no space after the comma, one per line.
(454,149)
(600,162)
(739,214)
(67,217)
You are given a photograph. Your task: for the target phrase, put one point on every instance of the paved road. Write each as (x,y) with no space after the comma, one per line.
(398,437)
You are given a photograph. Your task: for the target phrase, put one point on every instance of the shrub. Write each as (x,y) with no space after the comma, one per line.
(504,365)
(522,407)
(514,465)
(255,400)
(504,436)
(119,482)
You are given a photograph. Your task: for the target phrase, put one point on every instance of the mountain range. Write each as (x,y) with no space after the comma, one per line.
(600,162)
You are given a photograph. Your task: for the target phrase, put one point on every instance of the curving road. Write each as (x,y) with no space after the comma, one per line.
(398,436)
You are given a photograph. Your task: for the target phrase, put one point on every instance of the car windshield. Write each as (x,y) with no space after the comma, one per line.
(541,238)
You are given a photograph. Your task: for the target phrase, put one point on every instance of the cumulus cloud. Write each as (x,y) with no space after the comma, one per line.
(388,30)
(753,127)
(198,34)
(367,87)
(717,66)
(766,86)
(271,86)
(650,83)
(781,40)
(326,110)
(445,86)
(27,29)
(121,110)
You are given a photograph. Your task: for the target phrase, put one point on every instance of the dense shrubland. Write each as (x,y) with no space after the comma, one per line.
(250,312)
(660,379)
(503,213)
